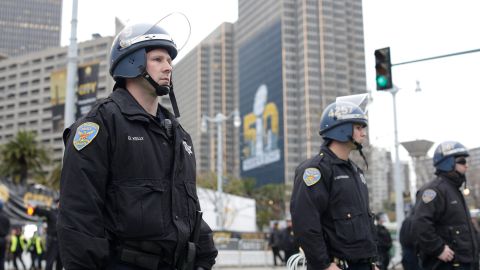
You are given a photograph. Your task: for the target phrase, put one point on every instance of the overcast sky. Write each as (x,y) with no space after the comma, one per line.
(448,106)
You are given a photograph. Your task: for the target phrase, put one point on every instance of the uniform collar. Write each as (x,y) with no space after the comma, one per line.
(453,178)
(133,110)
(334,159)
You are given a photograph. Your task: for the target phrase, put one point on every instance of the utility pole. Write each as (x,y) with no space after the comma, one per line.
(69,114)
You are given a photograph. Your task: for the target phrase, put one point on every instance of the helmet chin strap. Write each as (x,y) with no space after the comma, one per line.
(359,147)
(162,90)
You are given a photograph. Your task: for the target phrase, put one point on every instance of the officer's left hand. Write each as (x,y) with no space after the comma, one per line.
(200,268)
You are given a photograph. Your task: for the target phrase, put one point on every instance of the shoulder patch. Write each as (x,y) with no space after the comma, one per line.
(428,195)
(85,134)
(311,176)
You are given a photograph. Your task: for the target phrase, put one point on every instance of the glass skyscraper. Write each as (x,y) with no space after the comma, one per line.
(29,25)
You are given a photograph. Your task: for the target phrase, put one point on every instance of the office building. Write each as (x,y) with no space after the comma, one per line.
(32,88)
(204,86)
(29,25)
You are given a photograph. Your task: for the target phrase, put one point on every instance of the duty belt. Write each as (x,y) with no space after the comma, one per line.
(145,254)
(343,263)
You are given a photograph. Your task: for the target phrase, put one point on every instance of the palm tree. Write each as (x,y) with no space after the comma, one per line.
(22,157)
(52,180)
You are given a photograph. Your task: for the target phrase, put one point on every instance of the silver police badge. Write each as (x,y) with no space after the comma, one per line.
(362,177)
(428,195)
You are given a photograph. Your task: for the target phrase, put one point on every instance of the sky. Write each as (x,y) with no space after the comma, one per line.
(448,103)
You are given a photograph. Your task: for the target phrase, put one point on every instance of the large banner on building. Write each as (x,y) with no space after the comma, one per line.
(58,85)
(261,107)
(87,88)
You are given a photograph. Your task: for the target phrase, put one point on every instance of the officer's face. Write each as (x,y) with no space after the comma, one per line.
(159,66)
(359,133)
(461,165)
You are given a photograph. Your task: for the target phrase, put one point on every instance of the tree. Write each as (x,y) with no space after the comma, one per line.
(52,180)
(270,201)
(22,157)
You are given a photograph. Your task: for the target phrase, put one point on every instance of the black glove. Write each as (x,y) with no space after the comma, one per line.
(200,268)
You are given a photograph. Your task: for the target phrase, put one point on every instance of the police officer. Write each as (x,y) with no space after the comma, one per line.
(128,196)
(445,234)
(329,206)
(53,253)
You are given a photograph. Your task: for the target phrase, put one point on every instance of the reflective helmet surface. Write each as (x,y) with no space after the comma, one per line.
(338,119)
(445,154)
(128,52)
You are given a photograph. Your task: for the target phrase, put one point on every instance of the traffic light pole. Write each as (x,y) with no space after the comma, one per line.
(382,66)
(436,57)
(399,207)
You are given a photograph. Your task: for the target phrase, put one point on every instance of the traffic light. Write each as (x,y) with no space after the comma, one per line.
(30,210)
(383,68)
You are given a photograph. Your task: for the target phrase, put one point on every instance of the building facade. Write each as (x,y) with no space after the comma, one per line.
(204,86)
(31,86)
(29,25)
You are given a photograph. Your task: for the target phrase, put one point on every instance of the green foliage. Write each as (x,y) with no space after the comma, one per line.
(51,180)
(270,200)
(22,157)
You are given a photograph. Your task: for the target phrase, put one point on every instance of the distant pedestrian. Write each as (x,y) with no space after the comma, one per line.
(35,247)
(275,243)
(289,244)
(17,246)
(53,251)
(4,229)
(408,243)
(384,242)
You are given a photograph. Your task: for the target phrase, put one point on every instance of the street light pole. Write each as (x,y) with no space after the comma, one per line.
(399,211)
(218,120)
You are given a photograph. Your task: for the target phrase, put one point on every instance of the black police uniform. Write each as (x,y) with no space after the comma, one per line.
(408,242)
(442,217)
(384,244)
(331,217)
(53,253)
(133,185)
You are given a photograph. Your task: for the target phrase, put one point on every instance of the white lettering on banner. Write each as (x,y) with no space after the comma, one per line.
(260,160)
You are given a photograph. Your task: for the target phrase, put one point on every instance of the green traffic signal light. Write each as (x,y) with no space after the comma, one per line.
(382,81)
(383,68)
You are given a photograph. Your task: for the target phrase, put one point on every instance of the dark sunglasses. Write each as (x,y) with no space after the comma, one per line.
(462,161)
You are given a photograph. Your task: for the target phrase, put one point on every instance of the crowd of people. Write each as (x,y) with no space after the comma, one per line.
(41,246)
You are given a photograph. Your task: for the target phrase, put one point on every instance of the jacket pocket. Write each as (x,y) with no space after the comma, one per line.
(350,225)
(460,238)
(141,206)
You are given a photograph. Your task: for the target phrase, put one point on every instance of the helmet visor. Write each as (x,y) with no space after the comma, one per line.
(176,26)
(360,100)
(352,107)
(133,34)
